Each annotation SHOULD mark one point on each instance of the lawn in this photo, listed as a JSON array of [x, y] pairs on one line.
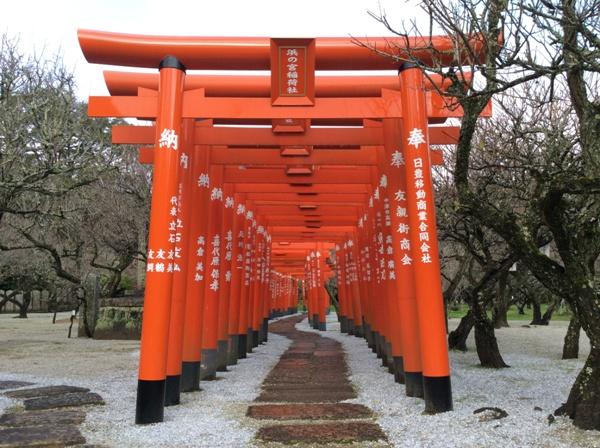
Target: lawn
[[513, 313]]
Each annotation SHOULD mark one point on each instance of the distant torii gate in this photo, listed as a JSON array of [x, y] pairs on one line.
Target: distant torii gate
[[227, 201]]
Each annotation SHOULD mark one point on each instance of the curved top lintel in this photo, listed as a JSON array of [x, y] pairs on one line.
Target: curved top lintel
[[253, 53]]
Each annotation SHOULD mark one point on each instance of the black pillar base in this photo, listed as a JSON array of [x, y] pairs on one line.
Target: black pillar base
[[414, 384], [172, 390], [322, 326], [343, 324], [375, 341], [249, 338], [437, 393], [242, 343], [350, 327], [208, 366], [150, 402], [383, 351], [232, 355], [390, 358], [368, 335], [265, 330], [315, 321], [222, 349], [399, 369], [291, 310], [378, 351], [358, 331], [190, 376], [255, 338]]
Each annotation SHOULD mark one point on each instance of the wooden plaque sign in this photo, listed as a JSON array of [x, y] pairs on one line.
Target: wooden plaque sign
[[293, 72]]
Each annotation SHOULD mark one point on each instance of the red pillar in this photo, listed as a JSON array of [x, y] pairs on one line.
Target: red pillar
[[423, 241], [403, 262], [237, 271], [196, 273], [246, 297], [322, 296], [179, 228], [157, 297], [214, 276], [225, 289]]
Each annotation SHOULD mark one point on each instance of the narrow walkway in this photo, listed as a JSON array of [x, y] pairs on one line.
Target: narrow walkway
[[311, 378]]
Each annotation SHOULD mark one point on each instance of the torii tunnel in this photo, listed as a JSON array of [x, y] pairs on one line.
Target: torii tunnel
[[264, 186]]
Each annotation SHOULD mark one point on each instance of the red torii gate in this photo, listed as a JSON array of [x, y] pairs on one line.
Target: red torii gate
[[394, 228]]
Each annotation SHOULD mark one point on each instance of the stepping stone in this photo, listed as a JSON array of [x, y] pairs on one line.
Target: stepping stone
[[13, 384], [309, 411], [45, 391], [41, 418], [40, 436], [300, 396], [311, 387], [63, 401], [346, 432]]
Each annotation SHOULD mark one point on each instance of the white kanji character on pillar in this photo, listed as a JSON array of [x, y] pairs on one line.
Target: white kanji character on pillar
[[397, 159], [168, 139], [204, 180], [183, 160], [416, 137]]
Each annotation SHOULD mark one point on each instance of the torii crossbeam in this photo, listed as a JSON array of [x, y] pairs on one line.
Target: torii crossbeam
[[261, 182]]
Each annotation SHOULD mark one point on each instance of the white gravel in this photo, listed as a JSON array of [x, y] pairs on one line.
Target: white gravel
[[213, 417], [37, 351], [537, 377]]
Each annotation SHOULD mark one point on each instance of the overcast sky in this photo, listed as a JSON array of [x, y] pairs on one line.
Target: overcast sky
[[51, 25]]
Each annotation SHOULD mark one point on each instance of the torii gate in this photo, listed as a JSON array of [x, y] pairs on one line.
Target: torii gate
[[224, 197]]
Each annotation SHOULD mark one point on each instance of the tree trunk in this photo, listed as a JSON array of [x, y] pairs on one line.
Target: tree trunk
[[583, 404], [549, 312], [537, 314], [485, 339], [521, 308], [457, 339], [501, 304], [571, 343], [24, 306]]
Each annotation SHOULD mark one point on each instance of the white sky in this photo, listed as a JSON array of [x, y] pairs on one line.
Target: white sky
[[51, 25]]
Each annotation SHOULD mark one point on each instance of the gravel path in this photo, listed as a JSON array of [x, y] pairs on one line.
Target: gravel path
[[537, 377], [214, 417], [38, 351]]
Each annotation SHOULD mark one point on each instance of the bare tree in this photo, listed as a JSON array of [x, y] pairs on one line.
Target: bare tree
[[554, 42]]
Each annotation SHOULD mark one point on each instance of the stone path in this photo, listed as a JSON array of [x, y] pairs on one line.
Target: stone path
[[48, 416], [306, 387]]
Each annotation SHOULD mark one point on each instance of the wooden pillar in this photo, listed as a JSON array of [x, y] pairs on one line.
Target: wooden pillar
[[403, 262], [196, 273], [214, 276], [237, 276], [226, 267], [157, 297], [179, 228], [423, 239]]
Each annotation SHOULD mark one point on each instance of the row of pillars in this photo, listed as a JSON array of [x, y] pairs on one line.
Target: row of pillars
[[388, 271], [210, 289]]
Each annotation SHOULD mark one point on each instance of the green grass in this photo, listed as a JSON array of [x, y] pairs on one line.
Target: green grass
[[513, 313]]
